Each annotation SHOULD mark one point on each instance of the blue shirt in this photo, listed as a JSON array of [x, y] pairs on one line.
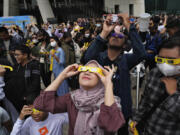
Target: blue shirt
[[152, 43], [124, 62]]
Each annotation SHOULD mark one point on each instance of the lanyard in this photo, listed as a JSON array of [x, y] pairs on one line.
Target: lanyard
[[51, 61]]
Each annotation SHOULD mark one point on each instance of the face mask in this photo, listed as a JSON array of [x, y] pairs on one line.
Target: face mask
[[98, 25], [53, 44], [35, 40], [87, 35], [169, 70]]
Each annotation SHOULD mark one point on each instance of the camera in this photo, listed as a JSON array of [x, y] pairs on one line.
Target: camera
[[114, 19]]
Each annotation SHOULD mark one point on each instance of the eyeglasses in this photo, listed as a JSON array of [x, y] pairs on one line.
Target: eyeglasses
[[35, 111], [91, 69], [117, 35], [168, 61]]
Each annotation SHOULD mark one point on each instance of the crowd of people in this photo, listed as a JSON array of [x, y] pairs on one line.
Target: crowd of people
[[78, 73]]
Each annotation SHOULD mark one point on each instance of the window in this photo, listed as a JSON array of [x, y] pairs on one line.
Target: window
[[131, 9], [116, 7]]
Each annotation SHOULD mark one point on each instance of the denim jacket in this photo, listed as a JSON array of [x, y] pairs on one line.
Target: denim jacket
[[124, 63]]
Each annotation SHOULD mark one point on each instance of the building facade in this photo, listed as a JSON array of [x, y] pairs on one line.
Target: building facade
[[162, 6], [71, 9], [45, 10], [49, 9], [133, 7]]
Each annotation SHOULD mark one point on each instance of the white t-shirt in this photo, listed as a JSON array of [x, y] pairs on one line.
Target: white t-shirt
[[51, 126], [161, 27], [4, 117]]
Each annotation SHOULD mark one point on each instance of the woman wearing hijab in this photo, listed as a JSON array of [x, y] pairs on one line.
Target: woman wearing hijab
[[92, 109]]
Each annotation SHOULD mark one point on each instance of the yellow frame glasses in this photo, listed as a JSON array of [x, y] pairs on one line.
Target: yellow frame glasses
[[168, 61], [9, 67], [91, 69], [35, 111]]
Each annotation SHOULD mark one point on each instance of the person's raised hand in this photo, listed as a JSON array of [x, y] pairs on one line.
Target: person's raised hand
[[2, 71], [70, 70], [126, 21], [25, 112], [52, 52], [108, 73], [107, 27], [133, 127], [166, 17]]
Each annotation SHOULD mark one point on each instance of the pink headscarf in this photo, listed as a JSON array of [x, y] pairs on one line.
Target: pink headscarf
[[88, 103]]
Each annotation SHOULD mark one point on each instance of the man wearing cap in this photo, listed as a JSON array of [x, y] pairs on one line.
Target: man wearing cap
[[114, 55]]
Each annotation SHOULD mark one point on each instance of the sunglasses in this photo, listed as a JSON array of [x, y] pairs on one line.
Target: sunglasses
[[168, 61], [90, 69], [117, 35]]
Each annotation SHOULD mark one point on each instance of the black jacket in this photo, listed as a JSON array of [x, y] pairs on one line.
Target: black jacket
[[23, 84]]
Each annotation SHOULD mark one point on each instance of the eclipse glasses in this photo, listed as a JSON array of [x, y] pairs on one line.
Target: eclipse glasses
[[35, 111], [91, 69], [8, 67], [167, 61]]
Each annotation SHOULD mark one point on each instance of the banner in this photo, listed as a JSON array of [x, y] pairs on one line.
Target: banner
[[21, 21]]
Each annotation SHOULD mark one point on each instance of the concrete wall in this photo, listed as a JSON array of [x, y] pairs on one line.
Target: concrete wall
[[139, 6], [10, 8], [45, 9]]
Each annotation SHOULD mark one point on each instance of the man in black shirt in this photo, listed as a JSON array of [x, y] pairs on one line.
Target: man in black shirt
[[26, 80]]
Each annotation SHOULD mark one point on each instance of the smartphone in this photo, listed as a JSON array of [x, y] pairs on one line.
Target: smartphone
[[115, 19]]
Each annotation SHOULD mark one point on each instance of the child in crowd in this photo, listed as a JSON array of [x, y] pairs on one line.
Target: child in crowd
[[39, 123]]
